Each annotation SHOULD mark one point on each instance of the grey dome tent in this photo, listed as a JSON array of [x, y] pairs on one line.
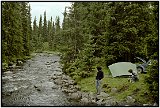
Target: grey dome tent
[[121, 68]]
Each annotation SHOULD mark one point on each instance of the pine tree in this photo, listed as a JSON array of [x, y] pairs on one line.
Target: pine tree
[[57, 37], [39, 38], [29, 28], [35, 35], [53, 36], [45, 32], [12, 32], [25, 28]]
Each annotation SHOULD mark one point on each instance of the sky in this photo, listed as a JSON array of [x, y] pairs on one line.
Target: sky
[[52, 9]]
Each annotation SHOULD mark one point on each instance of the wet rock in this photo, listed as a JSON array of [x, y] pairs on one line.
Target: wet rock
[[71, 82], [68, 91], [130, 99], [100, 102], [54, 87], [8, 93], [54, 77], [76, 96], [92, 97], [48, 63], [35, 86], [6, 77], [77, 87], [38, 89], [58, 81], [84, 100], [55, 61], [102, 95], [65, 77], [85, 95], [110, 102], [65, 85], [8, 72]]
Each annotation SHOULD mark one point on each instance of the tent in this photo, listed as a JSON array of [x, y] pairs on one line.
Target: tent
[[121, 68]]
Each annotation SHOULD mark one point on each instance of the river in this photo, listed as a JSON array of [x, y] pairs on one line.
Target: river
[[31, 84]]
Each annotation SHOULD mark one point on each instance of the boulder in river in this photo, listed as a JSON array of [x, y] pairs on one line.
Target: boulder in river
[[58, 81], [54, 77]]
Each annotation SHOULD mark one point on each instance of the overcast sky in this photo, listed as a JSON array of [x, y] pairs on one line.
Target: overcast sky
[[52, 9]]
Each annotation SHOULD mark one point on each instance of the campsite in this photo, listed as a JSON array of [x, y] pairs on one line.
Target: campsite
[[78, 53]]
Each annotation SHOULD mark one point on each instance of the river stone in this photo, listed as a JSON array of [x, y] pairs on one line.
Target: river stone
[[101, 102], [6, 77], [84, 100], [76, 95], [110, 102], [91, 96], [8, 72], [54, 77], [129, 99], [58, 81], [65, 84], [103, 95], [55, 87], [85, 95], [77, 87]]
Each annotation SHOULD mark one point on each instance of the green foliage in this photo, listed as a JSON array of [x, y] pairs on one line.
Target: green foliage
[[16, 31], [152, 80]]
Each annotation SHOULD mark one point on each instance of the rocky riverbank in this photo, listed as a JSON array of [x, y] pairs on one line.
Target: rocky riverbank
[[74, 92]]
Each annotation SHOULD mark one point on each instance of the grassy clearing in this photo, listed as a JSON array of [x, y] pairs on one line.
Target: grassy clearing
[[124, 88]]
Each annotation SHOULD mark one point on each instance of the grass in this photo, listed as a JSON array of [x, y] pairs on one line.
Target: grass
[[137, 90]]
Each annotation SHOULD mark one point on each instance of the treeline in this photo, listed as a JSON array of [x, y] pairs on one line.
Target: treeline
[[46, 34], [109, 32], [16, 32]]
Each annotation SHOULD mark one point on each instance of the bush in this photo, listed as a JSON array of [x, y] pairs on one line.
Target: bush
[[152, 81]]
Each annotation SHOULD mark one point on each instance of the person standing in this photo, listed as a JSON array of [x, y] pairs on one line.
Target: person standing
[[99, 76]]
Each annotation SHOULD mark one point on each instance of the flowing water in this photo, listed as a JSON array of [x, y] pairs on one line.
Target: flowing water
[[31, 85]]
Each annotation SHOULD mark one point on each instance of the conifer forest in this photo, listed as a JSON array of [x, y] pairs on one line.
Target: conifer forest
[[92, 34]]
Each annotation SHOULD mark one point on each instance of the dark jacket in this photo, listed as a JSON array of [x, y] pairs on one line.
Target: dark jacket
[[99, 75]]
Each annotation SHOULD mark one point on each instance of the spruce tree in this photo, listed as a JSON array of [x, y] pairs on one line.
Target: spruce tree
[[45, 32]]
